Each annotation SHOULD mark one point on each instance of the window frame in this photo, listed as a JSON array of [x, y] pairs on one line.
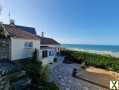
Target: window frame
[[28, 45], [45, 53]]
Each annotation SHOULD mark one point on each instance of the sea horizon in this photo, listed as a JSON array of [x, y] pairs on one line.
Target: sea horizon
[[112, 50], [90, 44]]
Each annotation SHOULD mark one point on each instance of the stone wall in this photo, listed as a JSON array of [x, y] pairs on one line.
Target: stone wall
[[4, 49], [4, 83]]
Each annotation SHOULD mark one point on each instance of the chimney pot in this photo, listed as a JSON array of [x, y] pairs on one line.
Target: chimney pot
[[12, 22], [42, 34]]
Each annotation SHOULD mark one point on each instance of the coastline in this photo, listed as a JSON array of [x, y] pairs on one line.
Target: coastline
[[113, 54]]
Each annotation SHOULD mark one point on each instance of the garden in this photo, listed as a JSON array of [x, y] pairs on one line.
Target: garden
[[38, 74]]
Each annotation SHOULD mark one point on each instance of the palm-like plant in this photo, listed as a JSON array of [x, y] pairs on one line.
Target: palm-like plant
[[33, 68]]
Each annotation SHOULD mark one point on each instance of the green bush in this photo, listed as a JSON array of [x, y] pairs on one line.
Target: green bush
[[34, 69], [48, 86], [38, 74], [44, 73], [91, 59]]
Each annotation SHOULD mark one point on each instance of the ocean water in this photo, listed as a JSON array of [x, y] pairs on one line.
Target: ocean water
[[101, 49]]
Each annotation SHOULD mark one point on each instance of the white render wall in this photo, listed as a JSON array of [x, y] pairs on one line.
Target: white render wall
[[18, 51], [57, 47], [49, 59]]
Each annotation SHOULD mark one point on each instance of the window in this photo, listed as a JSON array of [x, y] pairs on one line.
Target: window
[[50, 53], [28, 44], [44, 54], [53, 53]]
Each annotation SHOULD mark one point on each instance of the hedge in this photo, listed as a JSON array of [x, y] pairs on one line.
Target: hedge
[[91, 59]]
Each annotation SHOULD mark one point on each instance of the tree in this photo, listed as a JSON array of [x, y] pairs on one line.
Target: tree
[[35, 71], [38, 74], [33, 68]]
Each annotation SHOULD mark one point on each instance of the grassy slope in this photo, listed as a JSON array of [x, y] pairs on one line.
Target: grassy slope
[[91, 59]]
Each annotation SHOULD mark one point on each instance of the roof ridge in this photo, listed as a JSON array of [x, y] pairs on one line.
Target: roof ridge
[[48, 41], [25, 26], [19, 30], [21, 26]]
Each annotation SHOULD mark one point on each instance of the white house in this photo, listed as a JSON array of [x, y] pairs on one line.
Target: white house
[[19, 44], [49, 49]]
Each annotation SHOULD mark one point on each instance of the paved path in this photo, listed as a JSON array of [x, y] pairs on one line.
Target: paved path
[[61, 75]]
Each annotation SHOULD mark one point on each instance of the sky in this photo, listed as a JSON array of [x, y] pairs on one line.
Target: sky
[[67, 21]]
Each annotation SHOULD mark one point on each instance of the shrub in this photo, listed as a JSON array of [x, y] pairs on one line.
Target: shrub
[[48, 86], [91, 59], [33, 68], [44, 73], [38, 74], [83, 65]]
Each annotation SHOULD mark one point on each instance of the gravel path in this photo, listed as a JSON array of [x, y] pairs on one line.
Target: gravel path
[[61, 75]]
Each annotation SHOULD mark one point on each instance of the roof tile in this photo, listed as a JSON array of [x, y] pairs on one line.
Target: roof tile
[[19, 33], [48, 41]]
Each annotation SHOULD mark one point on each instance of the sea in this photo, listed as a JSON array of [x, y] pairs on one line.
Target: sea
[[99, 49]]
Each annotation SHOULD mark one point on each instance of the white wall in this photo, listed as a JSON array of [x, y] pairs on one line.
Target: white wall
[[18, 51], [54, 46], [49, 59]]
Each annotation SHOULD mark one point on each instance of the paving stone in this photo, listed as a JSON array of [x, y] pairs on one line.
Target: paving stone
[[59, 76], [67, 88], [63, 84], [62, 75], [69, 81], [85, 88]]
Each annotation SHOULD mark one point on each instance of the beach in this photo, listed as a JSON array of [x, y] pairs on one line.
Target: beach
[[114, 54]]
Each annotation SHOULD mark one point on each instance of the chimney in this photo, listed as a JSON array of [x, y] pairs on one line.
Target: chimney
[[42, 34], [12, 22]]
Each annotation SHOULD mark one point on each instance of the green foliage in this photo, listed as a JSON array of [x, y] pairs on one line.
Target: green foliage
[[33, 68], [13, 78], [1, 31], [34, 58], [38, 74], [44, 73], [90, 59], [48, 86]]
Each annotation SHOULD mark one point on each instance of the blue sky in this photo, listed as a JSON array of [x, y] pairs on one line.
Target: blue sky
[[68, 21]]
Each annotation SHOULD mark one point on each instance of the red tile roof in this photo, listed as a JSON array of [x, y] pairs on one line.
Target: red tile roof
[[16, 32]]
